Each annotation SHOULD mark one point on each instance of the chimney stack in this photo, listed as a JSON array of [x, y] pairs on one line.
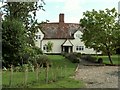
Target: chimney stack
[[61, 17]]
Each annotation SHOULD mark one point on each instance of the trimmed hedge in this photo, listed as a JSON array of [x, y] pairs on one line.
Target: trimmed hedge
[[89, 58], [73, 57]]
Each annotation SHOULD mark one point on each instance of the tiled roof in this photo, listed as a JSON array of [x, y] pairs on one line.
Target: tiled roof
[[59, 30]]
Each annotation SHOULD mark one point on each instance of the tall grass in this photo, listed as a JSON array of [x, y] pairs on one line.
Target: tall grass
[[58, 76]]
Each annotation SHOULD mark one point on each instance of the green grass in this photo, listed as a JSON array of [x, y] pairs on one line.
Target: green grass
[[115, 59], [59, 76]]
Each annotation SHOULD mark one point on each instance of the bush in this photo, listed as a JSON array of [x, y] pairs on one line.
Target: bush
[[42, 60], [100, 60], [79, 55], [22, 68], [89, 58], [72, 57]]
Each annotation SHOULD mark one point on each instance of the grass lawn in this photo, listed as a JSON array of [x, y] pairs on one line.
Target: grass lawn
[[59, 76], [115, 59]]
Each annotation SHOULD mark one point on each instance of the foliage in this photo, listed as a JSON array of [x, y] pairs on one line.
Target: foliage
[[100, 60], [42, 60], [23, 67], [31, 53], [102, 22], [115, 59], [19, 27], [89, 58], [61, 81], [49, 46], [72, 57], [13, 40]]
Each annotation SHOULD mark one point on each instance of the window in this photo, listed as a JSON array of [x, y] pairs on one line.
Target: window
[[44, 47], [79, 48], [78, 35], [38, 36]]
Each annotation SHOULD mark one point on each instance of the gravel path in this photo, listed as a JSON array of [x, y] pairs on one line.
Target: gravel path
[[98, 76]]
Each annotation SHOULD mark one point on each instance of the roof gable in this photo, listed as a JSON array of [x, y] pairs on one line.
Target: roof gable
[[60, 30], [67, 43]]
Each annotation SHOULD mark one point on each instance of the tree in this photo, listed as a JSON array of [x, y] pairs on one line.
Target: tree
[[19, 27], [49, 46], [25, 12], [13, 41], [101, 30]]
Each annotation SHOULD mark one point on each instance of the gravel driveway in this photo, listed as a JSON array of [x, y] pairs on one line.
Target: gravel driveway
[[98, 76]]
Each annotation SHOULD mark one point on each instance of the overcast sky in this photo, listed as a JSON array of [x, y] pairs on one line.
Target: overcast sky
[[73, 9]]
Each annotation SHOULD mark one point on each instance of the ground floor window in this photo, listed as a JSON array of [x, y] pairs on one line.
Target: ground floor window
[[45, 47], [79, 48]]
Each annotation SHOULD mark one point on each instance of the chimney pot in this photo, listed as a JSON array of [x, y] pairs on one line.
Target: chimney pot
[[61, 17]]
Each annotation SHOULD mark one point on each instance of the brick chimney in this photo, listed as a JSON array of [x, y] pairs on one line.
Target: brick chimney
[[61, 17]]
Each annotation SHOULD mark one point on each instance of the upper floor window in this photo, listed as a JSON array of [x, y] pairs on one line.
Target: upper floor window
[[79, 48], [38, 36], [78, 35]]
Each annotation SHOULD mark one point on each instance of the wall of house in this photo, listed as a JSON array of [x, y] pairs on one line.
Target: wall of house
[[58, 42], [56, 45], [38, 41], [78, 43]]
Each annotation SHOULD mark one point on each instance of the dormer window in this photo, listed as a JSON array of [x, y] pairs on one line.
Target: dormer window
[[78, 35], [38, 36]]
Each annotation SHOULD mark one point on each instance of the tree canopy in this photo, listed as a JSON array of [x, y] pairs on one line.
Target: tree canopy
[[18, 29], [101, 30]]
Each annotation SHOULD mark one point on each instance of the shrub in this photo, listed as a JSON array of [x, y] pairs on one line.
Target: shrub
[[79, 55], [72, 57], [42, 60], [100, 60], [63, 54], [89, 58]]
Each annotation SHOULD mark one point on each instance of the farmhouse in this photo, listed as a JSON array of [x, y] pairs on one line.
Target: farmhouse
[[65, 37]]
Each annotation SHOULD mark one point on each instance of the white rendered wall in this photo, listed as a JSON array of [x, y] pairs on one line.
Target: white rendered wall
[[58, 42], [56, 45]]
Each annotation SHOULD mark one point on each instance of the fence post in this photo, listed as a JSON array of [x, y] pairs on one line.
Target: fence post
[[37, 72], [26, 75], [47, 67], [61, 72], [11, 75]]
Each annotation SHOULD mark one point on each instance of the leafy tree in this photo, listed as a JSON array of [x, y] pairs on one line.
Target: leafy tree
[[101, 30], [49, 46], [13, 41], [25, 12], [19, 27]]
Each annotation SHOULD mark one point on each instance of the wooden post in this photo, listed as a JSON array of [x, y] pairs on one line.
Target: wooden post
[[61, 72], [26, 76], [47, 73], [11, 75], [37, 72], [65, 70]]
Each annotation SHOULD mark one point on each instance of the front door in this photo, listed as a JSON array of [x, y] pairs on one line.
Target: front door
[[66, 48]]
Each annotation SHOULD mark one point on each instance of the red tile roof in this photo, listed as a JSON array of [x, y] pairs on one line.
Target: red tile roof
[[59, 30]]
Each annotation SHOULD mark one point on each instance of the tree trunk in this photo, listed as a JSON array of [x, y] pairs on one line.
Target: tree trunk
[[109, 56]]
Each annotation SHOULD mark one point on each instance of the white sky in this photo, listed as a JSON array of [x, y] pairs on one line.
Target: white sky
[[73, 9]]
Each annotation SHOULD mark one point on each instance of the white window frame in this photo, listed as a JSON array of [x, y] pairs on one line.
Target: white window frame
[[78, 35], [45, 47], [79, 48], [38, 37]]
